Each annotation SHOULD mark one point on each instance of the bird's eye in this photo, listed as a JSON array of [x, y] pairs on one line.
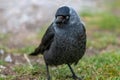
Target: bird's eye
[[67, 17]]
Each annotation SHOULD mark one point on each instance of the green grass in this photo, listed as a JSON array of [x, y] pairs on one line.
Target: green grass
[[86, 13], [2, 62], [101, 40], [3, 40], [113, 4], [27, 49], [109, 21], [106, 20], [103, 66], [3, 36]]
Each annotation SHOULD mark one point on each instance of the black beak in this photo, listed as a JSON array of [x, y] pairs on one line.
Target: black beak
[[59, 19]]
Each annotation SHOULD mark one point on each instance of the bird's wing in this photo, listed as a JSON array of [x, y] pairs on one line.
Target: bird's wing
[[46, 41]]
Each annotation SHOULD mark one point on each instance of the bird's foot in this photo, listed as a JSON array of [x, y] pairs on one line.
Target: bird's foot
[[76, 77]]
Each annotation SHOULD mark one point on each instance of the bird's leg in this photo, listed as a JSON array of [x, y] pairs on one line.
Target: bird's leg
[[48, 74], [73, 73]]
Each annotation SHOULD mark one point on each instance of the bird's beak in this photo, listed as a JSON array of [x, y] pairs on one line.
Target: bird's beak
[[59, 19]]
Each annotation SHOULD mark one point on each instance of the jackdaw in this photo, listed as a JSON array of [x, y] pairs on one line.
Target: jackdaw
[[64, 41]]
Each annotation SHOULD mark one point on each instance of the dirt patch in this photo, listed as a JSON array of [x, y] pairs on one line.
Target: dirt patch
[[7, 69]]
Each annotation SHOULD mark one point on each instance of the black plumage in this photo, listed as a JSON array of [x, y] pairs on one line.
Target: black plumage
[[64, 41]]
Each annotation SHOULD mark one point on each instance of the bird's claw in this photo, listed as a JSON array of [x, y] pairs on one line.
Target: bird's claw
[[76, 77], [48, 78]]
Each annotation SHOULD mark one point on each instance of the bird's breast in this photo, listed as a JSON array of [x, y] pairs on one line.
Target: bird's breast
[[66, 43]]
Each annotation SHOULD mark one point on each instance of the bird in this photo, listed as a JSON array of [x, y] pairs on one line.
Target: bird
[[64, 42]]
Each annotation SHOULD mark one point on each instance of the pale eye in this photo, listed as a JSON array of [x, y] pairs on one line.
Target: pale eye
[[67, 17]]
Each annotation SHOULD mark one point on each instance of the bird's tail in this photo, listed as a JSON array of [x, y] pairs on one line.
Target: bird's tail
[[36, 52]]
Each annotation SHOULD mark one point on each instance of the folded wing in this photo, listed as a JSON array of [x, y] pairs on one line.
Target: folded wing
[[46, 41]]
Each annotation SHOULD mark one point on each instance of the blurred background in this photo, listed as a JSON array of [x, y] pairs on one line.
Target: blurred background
[[23, 23]]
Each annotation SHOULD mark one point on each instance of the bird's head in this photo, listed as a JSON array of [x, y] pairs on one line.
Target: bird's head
[[66, 15], [62, 15]]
